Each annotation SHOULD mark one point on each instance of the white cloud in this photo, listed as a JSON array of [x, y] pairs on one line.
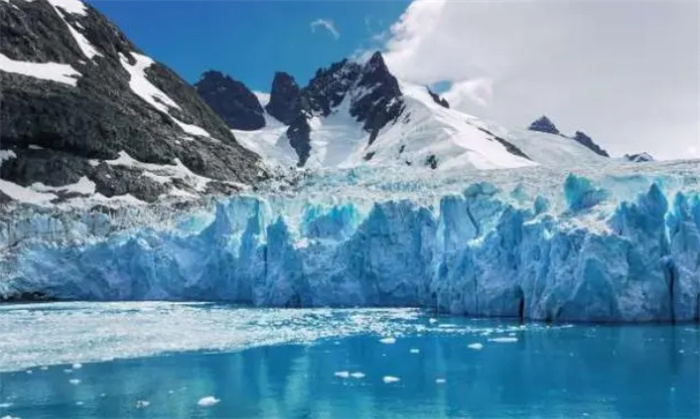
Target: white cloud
[[326, 24], [626, 73]]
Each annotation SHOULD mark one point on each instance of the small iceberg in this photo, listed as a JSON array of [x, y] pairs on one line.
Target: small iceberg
[[208, 401], [504, 339], [390, 379]]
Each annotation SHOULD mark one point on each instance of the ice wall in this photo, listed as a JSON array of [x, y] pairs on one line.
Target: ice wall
[[485, 251]]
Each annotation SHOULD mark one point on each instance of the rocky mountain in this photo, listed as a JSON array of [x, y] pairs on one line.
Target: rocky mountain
[[232, 100], [86, 114], [588, 142], [639, 157], [544, 124], [357, 113], [373, 93]]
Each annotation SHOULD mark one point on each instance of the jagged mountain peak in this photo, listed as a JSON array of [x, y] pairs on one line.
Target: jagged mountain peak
[[544, 124], [235, 103], [438, 99], [284, 98], [588, 142]]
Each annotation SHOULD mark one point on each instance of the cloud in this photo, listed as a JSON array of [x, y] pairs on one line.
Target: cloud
[[326, 24], [626, 73]]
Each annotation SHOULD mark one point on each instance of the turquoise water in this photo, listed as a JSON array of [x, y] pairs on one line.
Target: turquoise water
[[365, 363]]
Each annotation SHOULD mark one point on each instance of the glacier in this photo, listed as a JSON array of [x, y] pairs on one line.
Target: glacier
[[607, 243]]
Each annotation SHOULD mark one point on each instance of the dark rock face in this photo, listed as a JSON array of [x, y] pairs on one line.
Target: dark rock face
[[383, 101], [328, 87], [588, 142], [439, 100], [101, 115], [374, 95], [639, 157], [543, 124], [231, 100], [284, 98]]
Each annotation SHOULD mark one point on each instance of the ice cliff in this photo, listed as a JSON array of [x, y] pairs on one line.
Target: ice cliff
[[613, 243]]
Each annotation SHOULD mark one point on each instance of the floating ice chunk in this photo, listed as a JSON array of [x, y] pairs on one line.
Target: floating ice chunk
[[103, 394], [388, 341], [506, 339], [476, 346], [10, 417], [208, 401], [357, 375], [440, 381], [415, 351], [79, 403], [68, 371], [342, 374], [390, 379], [5, 405], [29, 372], [432, 321], [511, 334], [44, 368], [77, 366], [142, 403], [74, 381]]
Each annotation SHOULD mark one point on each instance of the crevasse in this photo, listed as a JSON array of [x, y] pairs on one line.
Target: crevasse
[[481, 252]]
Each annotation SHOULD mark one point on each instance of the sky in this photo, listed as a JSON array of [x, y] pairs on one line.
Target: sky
[[625, 72]]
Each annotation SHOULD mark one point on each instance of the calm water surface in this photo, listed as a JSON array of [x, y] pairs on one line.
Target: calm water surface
[[337, 364]]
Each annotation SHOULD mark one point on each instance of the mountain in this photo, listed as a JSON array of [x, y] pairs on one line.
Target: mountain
[[588, 142], [232, 100], [359, 114], [639, 157], [85, 114], [543, 124]]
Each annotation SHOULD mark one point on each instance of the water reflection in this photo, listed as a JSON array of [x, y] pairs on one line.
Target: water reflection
[[581, 371]]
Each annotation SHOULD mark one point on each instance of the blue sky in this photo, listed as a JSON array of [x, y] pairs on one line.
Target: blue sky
[[250, 40]]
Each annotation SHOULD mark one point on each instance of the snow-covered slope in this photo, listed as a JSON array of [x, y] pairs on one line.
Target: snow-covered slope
[[425, 134]]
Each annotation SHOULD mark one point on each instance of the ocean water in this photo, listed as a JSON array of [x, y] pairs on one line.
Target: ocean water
[[170, 360]]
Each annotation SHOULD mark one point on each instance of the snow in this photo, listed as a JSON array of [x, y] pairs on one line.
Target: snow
[[263, 97], [164, 173], [208, 401], [25, 195], [61, 73], [75, 7], [424, 132], [6, 155], [83, 186], [155, 97]]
